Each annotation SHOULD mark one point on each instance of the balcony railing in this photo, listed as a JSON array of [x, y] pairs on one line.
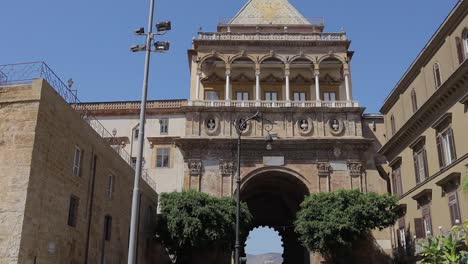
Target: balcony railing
[[273, 104], [22, 73], [160, 104], [318, 36]]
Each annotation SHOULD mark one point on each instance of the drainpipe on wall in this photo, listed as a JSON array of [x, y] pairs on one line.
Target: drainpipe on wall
[[90, 208]]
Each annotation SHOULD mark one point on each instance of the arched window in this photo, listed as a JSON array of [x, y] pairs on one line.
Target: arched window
[[414, 101], [437, 78], [392, 124]]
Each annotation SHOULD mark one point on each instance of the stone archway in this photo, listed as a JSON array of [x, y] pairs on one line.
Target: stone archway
[[273, 196]]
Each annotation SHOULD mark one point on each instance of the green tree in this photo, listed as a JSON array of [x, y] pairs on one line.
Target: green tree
[[329, 223], [194, 221]]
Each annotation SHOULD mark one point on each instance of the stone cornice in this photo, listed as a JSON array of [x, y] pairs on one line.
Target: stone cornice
[[439, 103], [270, 43], [451, 22]]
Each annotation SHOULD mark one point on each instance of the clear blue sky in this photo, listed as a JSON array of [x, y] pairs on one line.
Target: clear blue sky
[[89, 40]]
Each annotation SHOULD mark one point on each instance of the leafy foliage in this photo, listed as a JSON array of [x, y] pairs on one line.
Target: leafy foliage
[[194, 220], [329, 223], [446, 249]]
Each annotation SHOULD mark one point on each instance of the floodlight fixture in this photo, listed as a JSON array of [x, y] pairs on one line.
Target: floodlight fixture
[[162, 45], [136, 48], [163, 26], [139, 31]]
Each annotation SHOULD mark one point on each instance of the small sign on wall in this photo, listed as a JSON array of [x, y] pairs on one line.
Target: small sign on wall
[[339, 165], [273, 160]]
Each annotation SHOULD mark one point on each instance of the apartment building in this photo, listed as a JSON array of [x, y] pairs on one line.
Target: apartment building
[[426, 119]]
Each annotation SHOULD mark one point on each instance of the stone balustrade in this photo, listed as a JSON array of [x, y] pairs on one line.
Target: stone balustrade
[[316, 36], [272, 104]]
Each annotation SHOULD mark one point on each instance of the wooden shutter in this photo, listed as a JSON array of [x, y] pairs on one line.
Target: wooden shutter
[[416, 168], [454, 208], [460, 53], [440, 151], [426, 167], [451, 144], [419, 228]]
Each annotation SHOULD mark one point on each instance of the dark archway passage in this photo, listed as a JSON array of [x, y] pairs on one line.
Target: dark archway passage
[[273, 198]]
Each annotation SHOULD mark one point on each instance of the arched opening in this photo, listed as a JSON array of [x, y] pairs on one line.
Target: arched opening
[[213, 79], [274, 197], [272, 79], [243, 79], [332, 85], [302, 80], [264, 245]]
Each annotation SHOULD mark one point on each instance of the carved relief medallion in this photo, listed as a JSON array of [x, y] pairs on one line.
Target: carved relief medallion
[[304, 126]]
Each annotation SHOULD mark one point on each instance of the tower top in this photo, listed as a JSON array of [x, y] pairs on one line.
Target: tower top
[[269, 12]]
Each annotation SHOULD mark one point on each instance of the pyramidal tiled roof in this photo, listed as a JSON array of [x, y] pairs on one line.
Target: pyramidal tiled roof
[[269, 12]]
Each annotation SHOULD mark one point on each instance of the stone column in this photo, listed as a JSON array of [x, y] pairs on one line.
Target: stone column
[[348, 94], [346, 76], [197, 85], [286, 75], [257, 83], [228, 84], [317, 85]]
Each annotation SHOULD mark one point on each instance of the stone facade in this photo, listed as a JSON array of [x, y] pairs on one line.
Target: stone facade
[[39, 134], [426, 126], [296, 76]]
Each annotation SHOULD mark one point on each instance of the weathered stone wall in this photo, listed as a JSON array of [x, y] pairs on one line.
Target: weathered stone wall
[[18, 115], [43, 195]]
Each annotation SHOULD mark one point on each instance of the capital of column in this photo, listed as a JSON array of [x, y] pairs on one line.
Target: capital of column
[[346, 72], [287, 72], [257, 69], [316, 72]]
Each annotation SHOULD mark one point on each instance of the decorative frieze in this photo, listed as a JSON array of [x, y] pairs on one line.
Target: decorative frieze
[[195, 166], [226, 167]]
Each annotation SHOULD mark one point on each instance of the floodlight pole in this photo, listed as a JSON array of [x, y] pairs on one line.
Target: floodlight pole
[[132, 250]]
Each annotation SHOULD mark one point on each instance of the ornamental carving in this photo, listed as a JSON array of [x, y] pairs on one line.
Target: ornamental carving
[[323, 168], [272, 79], [335, 126], [355, 169], [226, 167], [304, 126], [195, 166]]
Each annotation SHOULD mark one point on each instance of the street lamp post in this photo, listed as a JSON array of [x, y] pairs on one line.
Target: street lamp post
[[241, 126], [159, 46]]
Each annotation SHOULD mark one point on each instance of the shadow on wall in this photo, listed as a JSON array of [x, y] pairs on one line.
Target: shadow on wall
[[365, 251]]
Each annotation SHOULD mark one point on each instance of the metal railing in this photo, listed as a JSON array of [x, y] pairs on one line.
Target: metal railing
[[22, 73], [273, 104], [315, 21], [316, 36]]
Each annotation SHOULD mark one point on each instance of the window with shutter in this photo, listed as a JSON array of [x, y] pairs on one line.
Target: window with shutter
[[73, 211], [427, 220], [460, 52], [454, 208], [437, 77], [77, 161], [397, 184], [419, 228], [446, 147], [414, 101], [416, 168]]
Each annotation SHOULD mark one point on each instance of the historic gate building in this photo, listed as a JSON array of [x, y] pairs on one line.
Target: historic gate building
[[268, 58]]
